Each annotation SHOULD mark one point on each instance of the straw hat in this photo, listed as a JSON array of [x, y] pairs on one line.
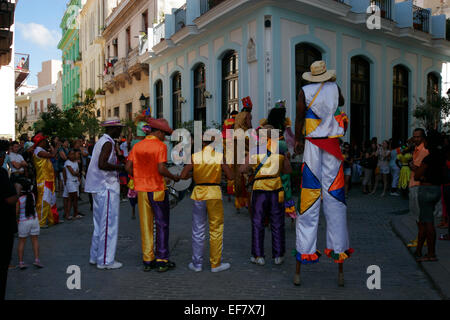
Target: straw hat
[[112, 122], [319, 73]]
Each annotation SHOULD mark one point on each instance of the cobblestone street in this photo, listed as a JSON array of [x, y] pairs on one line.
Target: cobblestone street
[[371, 236]]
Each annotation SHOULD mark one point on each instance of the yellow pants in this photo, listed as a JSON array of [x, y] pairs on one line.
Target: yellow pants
[[214, 209], [44, 208], [146, 217]]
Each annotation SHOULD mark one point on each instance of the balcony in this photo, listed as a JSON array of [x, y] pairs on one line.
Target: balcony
[[21, 68], [385, 8], [159, 33], [421, 19], [6, 14]]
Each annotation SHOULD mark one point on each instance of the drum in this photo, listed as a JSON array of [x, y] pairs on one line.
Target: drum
[[181, 185]]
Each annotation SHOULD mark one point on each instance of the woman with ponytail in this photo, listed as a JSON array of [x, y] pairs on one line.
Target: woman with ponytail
[[28, 223]]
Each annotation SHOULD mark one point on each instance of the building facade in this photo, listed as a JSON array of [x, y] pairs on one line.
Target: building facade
[[207, 55], [32, 101], [7, 72], [126, 47], [92, 20], [71, 55]]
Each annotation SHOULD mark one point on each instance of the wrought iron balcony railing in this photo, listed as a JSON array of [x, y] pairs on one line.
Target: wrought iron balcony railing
[[159, 33], [22, 62], [421, 19], [385, 8]]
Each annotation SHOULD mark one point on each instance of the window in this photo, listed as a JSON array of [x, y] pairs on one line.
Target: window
[[159, 99], [99, 113], [129, 107], [360, 101], [49, 102], [199, 98], [109, 113], [176, 104], [117, 112], [145, 21], [432, 87], [230, 83], [42, 106], [400, 103], [305, 55], [115, 48], [128, 31], [35, 107]]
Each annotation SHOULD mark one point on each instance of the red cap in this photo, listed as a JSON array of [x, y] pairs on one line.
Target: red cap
[[160, 124]]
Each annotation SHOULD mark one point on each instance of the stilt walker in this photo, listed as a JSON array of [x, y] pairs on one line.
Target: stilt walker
[[207, 166], [146, 163], [102, 180], [322, 172]]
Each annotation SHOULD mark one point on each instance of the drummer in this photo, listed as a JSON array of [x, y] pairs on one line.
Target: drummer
[[207, 166], [146, 163]]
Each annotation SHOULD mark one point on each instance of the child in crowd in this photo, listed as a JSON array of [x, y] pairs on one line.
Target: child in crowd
[[71, 175], [403, 160], [132, 196], [28, 223]]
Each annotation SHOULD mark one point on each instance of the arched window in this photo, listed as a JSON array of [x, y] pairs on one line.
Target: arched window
[[305, 55], [159, 99], [360, 101], [400, 104], [199, 98], [176, 104], [230, 83], [432, 87]]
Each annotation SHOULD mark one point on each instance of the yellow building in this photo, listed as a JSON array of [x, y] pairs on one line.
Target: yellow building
[[92, 17], [126, 76]]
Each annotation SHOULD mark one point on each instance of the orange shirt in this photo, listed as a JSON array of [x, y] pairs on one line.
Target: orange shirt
[[145, 156], [419, 154]]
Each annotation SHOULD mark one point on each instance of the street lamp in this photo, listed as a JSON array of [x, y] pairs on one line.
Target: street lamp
[[142, 101]]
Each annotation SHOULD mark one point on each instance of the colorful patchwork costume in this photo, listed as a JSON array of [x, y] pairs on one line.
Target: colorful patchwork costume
[[323, 176]]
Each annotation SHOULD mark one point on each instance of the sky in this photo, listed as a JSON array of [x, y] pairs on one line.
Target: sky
[[38, 32]]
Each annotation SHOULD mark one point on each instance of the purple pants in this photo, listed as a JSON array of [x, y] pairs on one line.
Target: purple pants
[[161, 210], [266, 203]]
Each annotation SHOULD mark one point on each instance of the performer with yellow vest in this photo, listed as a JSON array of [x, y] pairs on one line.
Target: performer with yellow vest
[[322, 172], [146, 163], [45, 180], [207, 166], [267, 196]]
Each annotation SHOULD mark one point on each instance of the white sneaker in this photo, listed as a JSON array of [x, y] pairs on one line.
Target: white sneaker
[[260, 261], [222, 267], [279, 260], [92, 262], [395, 194], [194, 268], [115, 265]]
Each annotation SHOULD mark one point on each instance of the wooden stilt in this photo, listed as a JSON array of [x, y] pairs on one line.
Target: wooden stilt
[[341, 275], [297, 274]]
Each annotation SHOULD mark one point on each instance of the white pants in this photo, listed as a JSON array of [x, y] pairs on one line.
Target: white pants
[[322, 175], [395, 172], [106, 227]]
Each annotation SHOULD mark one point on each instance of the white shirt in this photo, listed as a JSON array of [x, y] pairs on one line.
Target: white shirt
[[74, 166], [14, 157], [37, 150], [124, 148]]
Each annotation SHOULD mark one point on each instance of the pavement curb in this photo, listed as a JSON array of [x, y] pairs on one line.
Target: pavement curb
[[435, 272]]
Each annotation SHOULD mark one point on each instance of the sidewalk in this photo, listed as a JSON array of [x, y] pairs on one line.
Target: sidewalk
[[438, 272]]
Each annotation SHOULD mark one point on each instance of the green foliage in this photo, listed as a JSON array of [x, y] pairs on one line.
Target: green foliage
[[432, 113], [20, 125]]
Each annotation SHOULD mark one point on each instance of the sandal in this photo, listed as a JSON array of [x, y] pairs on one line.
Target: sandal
[[427, 259], [68, 218], [78, 217]]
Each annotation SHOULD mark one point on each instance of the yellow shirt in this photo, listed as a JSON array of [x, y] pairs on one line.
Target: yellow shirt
[[44, 168], [207, 167], [271, 168]]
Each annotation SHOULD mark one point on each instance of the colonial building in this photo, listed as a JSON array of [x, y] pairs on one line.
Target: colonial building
[[207, 55], [92, 21], [71, 55], [126, 41], [32, 101], [7, 79]]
